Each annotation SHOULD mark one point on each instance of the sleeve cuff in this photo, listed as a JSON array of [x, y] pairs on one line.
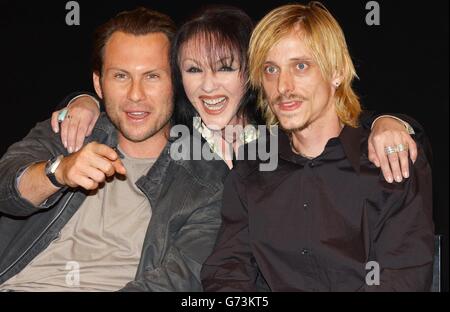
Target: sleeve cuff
[[84, 94], [48, 202], [405, 124]]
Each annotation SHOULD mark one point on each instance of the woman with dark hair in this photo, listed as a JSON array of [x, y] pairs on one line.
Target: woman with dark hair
[[209, 70], [210, 77], [224, 33]]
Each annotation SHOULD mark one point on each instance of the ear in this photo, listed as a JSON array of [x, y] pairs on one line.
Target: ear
[[97, 85], [337, 80]]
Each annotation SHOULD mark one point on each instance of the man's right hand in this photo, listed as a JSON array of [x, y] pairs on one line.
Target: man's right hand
[[89, 167]]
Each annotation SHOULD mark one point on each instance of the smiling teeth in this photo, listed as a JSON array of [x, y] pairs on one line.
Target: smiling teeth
[[137, 113], [214, 101]]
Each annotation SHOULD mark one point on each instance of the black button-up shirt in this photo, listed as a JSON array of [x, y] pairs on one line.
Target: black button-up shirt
[[313, 225]]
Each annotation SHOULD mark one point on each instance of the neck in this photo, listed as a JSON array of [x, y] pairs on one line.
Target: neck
[[310, 141], [231, 136], [150, 148], [228, 141]]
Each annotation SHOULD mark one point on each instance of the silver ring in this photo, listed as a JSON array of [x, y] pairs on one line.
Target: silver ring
[[62, 115], [401, 147], [390, 150]]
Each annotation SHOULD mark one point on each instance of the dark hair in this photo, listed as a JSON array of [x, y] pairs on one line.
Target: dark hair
[[140, 21], [225, 31]]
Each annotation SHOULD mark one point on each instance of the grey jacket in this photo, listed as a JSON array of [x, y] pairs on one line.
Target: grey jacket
[[185, 196]]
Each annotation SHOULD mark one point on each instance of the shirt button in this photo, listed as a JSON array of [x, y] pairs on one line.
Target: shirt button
[[305, 205], [305, 252], [311, 164]]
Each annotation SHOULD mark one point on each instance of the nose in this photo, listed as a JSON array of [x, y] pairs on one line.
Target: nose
[[136, 92], [209, 83], [285, 83]]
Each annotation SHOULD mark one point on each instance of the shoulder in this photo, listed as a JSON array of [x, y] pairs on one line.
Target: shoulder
[[104, 124], [205, 172], [39, 139], [263, 157]]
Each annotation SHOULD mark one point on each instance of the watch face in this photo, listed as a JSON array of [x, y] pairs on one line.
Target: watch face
[[50, 169], [48, 165], [51, 166]]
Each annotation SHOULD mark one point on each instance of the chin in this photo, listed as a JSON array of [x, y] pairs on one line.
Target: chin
[[291, 125], [136, 138], [137, 135], [215, 124]]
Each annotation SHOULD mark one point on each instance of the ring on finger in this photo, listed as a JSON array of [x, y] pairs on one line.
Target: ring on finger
[[62, 115], [402, 147], [390, 150]]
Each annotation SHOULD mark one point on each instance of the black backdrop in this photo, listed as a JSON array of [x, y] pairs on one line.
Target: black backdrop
[[402, 64]]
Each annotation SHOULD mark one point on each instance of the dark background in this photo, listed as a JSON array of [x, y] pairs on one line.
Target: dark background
[[402, 64]]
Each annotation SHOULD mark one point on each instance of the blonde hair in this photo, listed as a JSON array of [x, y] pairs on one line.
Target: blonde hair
[[324, 38]]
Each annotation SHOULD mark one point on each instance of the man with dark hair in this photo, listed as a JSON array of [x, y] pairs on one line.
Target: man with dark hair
[[119, 213]]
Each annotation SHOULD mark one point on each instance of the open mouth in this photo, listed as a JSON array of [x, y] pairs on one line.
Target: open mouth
[[214, 105], [289, 106], [137, 116]]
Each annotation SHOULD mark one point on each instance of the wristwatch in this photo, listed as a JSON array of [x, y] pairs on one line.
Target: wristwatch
[[50, 169]]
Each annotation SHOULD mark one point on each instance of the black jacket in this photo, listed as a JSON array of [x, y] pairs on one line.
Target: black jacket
[[185, 196]]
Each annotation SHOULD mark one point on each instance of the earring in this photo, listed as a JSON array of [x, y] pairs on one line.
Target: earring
[[337, 84]]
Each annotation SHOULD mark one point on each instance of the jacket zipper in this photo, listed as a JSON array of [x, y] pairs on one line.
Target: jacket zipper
[[38, 238]]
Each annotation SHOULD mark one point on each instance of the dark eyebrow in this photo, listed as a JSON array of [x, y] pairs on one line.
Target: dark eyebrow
[[126, 72], [150, 71], [118, 69]]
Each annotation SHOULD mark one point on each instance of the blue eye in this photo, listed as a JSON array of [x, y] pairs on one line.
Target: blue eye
[[302, 66], [271, 70]]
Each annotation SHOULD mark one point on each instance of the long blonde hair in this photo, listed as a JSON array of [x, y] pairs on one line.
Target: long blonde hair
[[325, 39]]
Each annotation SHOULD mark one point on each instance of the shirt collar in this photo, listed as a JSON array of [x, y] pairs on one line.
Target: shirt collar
[[249, 134], [350, 138], [284, 146]]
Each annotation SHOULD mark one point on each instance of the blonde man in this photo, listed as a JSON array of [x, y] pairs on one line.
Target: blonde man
[[324, 220]]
